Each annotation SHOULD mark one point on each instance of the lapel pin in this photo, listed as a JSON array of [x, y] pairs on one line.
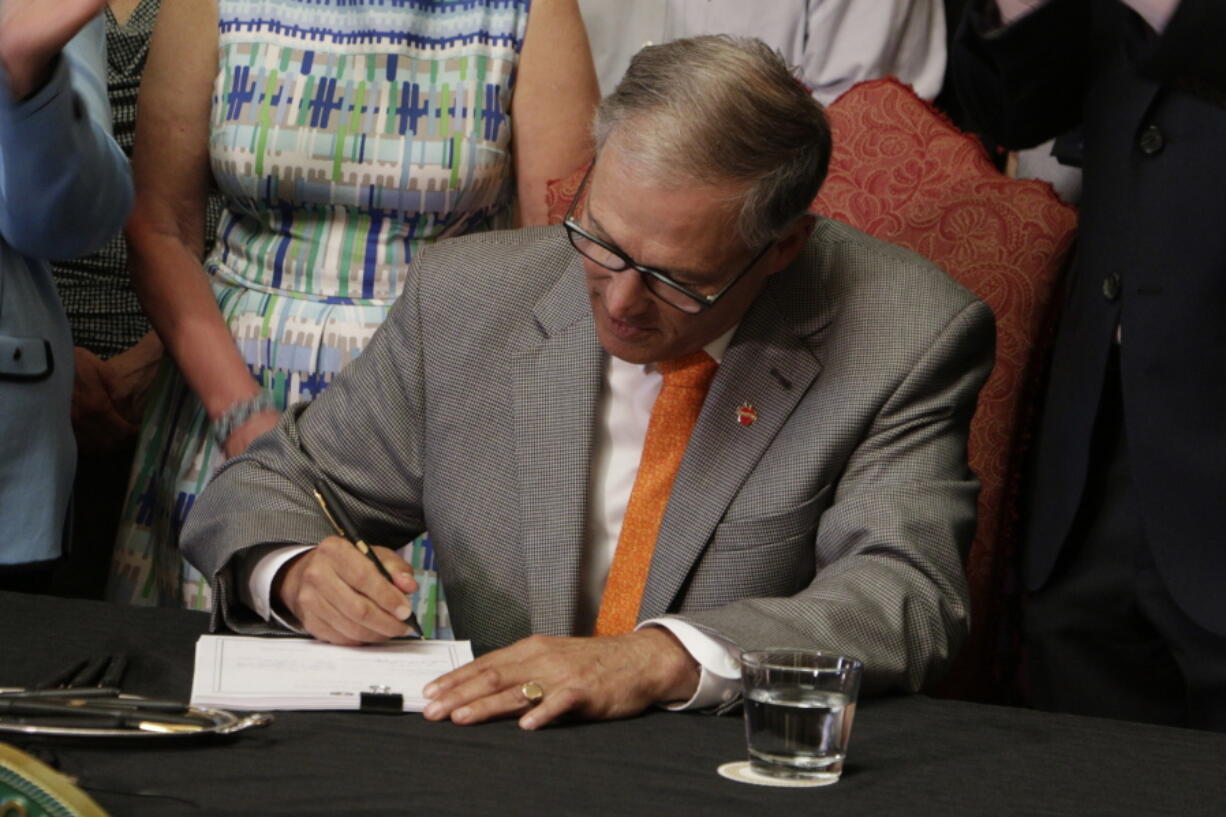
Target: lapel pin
[[746, 414]]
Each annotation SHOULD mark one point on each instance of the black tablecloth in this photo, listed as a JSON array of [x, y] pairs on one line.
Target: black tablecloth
[[908, 755]]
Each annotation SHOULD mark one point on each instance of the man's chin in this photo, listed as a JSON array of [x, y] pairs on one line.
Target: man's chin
[[630, 354], [638, 350]]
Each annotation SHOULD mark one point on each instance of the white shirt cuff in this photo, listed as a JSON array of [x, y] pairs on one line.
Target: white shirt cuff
[[255, 588], [719, 679]]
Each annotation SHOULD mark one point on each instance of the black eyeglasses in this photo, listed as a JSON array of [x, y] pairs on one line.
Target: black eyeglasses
[[657, 282]]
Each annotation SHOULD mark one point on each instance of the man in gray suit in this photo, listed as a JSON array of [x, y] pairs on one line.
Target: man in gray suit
[[823, 500]]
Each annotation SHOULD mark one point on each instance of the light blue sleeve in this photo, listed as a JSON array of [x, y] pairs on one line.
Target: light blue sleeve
[[65, 186]]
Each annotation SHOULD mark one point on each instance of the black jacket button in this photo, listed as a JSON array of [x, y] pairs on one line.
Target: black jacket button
[[1151, 140], [1111, 287]]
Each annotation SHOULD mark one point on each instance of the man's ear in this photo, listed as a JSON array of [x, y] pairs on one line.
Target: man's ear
[[789, 245]]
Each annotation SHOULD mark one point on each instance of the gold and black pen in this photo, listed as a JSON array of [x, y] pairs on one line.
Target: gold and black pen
[[344, 527]]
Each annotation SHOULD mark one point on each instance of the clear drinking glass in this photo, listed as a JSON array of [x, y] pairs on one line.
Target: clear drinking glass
[[799, 705]]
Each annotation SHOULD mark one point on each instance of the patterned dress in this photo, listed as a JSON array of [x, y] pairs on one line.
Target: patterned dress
[[345, 135]]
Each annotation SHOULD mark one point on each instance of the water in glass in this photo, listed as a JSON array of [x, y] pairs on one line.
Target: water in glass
[[794, 730]]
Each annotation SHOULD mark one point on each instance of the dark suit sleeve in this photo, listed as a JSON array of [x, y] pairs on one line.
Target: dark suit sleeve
[[1190, 48], [1027, 82], [891, 589], [1022, 84]]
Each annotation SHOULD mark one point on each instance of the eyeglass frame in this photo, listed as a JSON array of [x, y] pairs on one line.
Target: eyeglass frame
[[704, 301]]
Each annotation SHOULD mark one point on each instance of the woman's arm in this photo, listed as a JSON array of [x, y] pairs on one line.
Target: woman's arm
[[171, 168], [552, 104]]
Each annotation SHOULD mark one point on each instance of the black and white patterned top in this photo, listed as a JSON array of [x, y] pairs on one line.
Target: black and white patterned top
[[96, 289]]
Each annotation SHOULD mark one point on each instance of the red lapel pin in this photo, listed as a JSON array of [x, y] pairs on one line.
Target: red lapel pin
[[746, 414]]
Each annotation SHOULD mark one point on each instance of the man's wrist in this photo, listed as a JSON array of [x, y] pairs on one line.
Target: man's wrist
[[676, 672], [718, 659], [278, 591], [259, 573]]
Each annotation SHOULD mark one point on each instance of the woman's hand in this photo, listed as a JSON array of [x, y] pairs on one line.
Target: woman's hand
[[243, 435]]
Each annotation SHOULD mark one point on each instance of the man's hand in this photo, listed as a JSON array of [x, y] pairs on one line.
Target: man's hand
[[599, 678], [339, 596], [99, 424], [32, 32]]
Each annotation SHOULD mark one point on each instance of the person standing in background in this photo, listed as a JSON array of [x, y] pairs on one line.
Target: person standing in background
[[116, 352], [1124, 557], [65, 189], [345, 136], [834, 43]]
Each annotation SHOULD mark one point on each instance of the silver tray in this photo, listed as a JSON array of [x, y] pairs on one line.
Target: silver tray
[[213, 722]]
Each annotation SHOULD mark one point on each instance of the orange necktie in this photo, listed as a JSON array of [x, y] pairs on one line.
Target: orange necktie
[[672, 420]]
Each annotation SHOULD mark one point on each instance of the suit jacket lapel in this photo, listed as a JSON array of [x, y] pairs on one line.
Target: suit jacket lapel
[[557, 383], [769, 364]]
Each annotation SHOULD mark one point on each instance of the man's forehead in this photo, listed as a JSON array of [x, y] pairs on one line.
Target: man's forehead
[[623, 165], [633, 209]]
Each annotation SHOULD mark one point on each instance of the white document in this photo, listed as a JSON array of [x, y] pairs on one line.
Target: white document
[[245, 672]]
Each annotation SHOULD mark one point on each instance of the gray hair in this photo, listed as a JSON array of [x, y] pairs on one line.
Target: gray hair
[[721, 110]]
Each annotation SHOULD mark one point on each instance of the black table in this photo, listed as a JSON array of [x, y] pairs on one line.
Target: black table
[[908, 755]]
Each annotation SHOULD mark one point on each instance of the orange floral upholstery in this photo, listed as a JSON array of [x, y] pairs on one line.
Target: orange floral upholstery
[[559, 193], [901, 172]]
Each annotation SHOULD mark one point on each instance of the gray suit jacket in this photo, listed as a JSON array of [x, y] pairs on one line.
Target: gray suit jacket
[[838, 520]]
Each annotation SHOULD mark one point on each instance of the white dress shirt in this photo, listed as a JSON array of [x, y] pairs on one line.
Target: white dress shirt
[[624, 413], [834, 43], [624, 410]]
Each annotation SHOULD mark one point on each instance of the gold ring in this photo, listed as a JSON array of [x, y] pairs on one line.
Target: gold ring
[[533, 692]]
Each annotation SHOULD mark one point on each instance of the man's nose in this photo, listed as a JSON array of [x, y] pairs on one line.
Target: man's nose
[[625, 295]]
